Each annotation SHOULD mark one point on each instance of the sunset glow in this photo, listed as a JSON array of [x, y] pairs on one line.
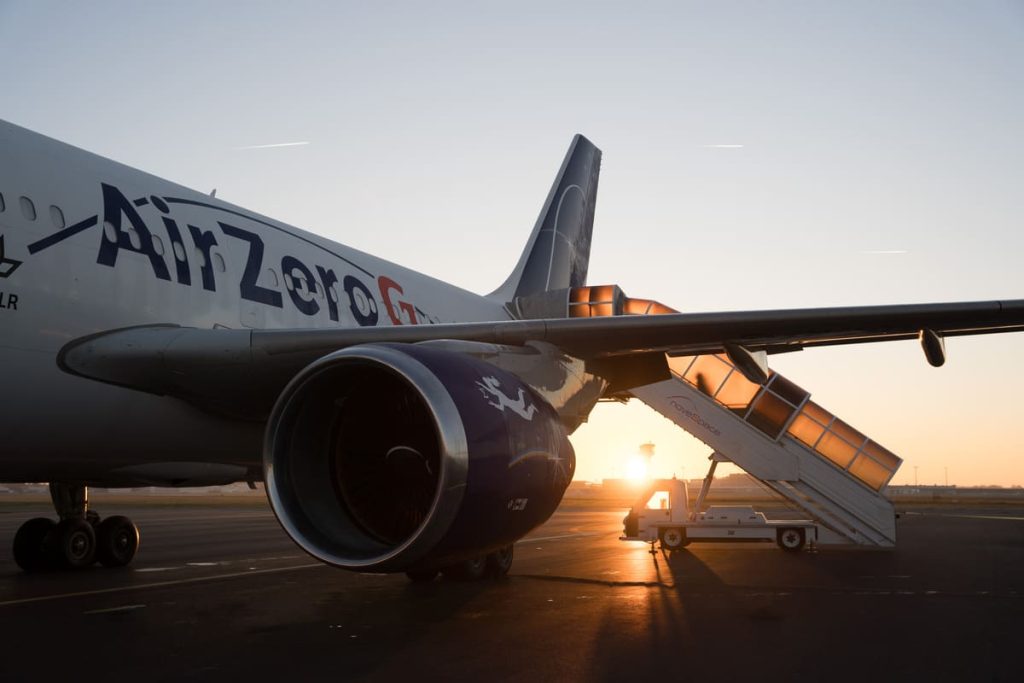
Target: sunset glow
[[636, 469]]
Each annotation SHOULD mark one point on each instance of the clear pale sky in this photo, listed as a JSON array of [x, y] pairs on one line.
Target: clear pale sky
[[435, 129]]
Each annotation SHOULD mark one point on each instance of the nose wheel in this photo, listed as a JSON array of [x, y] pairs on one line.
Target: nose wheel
[[78, 540]]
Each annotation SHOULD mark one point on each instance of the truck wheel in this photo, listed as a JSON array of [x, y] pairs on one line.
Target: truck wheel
[[674, 538], [791, 540]]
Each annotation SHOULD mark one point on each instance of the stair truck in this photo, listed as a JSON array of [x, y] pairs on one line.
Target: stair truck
[[662, 514]]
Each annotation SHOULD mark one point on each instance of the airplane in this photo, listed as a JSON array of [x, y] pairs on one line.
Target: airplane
[[153, 335]]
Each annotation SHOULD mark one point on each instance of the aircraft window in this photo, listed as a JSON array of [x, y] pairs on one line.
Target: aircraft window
[[358, 297], [334, 294], [200, 257], [272, 277], [218, 263], [28, 209], [288, 282], [133, 237], [158, 245], [3, 207], [179, 251], [57, 216], [109, 231], [319, 291]]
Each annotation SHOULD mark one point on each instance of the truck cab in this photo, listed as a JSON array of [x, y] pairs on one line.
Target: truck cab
[[662, 514]]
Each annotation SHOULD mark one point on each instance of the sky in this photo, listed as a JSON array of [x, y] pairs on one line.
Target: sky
[[756, 155]]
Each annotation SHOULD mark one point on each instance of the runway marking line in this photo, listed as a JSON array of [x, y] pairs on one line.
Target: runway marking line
[[158, 584], [532, 539], [197, 579], [148, 570], [940, 514], [112, 610]]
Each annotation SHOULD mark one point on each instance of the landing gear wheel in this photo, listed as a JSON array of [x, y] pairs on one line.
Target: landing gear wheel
[[71, 544], [791, 540], [674, 538], [422, 576], [499, 562], [468, 570], [29, 543], [117, 539]]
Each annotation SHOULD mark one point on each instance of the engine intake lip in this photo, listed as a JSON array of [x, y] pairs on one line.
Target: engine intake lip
[[286, 501]]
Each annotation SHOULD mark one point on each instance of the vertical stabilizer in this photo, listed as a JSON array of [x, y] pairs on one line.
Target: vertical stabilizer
[[558, 251]]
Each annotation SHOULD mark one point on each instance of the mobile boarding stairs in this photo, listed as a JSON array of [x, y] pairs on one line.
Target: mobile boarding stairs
[[774, 432]]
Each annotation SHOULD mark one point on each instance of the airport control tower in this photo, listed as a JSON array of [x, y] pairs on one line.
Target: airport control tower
[[646, 452]]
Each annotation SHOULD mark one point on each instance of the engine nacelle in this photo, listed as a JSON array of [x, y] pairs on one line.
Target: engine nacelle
[[389, 457]]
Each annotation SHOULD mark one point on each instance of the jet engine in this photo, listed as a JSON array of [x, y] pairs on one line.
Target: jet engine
[[393, 457]]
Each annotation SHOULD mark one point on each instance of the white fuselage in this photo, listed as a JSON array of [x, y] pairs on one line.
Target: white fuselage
[[146, 251]]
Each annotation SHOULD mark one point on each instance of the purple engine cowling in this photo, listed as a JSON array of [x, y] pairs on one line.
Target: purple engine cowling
[[388, 457]]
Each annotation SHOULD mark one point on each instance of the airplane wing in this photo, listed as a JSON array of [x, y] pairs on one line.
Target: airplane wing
[[218, 366]]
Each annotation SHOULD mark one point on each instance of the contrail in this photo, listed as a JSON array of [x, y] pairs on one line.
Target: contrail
[[276, 144]]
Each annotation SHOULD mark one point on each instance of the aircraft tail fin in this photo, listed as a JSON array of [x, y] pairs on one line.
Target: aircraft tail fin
[[558, 251]]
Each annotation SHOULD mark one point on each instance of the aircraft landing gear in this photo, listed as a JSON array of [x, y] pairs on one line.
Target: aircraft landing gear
[[493, 565], [78, 540], [117, 539]]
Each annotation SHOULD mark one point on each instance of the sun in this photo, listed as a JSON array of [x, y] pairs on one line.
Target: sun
[[636, 469]]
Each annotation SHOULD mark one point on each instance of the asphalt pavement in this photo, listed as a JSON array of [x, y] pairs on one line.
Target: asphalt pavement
[[220, 593]]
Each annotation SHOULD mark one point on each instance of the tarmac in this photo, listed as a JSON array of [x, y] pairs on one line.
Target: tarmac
[[220, 593]]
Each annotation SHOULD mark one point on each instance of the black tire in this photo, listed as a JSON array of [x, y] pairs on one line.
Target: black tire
[[422, 575], [500, 561], [674, 538], [790, 539], [29, 544], [71, 544], [117, 540], [472, 569]]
